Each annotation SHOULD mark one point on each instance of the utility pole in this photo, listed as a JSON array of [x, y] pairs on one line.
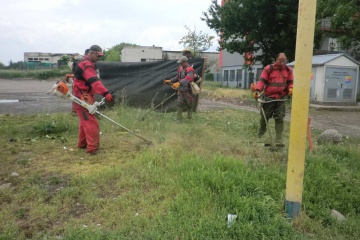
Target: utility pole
[[300, 107]]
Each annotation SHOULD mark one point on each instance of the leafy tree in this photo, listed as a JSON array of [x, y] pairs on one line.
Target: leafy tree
[[270, 24], [114, 53], [196, 42], [14, 65], [65, 58], [344, 16], [2, 66]]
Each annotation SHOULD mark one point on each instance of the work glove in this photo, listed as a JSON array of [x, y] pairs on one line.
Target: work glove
[[253, 87], [290, 92], [175, 85], [167, 81], [256, 95], [109, 97]]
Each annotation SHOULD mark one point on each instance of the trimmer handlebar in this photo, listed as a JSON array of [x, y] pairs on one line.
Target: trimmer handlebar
[[60, 89]]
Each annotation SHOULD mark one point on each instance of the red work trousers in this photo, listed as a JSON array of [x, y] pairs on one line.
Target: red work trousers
[[89, 131]]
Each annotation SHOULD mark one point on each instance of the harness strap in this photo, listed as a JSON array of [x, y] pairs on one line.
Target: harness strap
[[79, 90], [79, 76], [92, 80], [283, 84]]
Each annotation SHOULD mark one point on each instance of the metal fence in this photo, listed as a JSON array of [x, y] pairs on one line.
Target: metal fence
[[36, 65]]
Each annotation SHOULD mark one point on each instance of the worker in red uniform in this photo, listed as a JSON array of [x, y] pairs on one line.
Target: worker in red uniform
[[181, 82], [86, 84], [276, 82]]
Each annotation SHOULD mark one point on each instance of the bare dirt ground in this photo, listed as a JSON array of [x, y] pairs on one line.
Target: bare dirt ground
[[346, 122], [28, 96]]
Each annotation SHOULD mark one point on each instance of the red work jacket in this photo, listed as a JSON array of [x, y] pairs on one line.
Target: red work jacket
[[275, 82], [86, 80]]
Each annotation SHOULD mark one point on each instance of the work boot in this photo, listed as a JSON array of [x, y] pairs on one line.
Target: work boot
[[93, 153], [179, 111], [279, 129], [189, 113], [262, 129]]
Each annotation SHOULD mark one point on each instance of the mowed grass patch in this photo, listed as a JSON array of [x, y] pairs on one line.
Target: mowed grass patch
[[182, 186]]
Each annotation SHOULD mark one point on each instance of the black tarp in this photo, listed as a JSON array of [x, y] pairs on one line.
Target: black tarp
[[140, 84]]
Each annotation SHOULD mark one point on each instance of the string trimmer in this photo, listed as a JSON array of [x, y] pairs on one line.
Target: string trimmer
[[60, 89], [161, 103]]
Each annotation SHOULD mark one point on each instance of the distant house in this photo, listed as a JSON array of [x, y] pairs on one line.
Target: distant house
[[141, 54], [152, 53], [39, 60], [233, 73], [44, 57]]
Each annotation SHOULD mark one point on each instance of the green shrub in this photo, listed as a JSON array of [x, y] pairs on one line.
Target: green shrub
[[209, 76], [39, 74], [48, 74], [51, 126]]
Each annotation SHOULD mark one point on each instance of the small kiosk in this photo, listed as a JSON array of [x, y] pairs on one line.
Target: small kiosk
[[334, 79]]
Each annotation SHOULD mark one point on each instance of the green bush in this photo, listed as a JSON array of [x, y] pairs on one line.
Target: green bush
[[52, 125], [38, 74], [209, 76], [48, 74]]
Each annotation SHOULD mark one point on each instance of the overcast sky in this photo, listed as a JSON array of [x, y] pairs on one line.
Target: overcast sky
[[71, 26]]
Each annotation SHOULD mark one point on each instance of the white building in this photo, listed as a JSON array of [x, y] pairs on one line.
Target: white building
[[334, 79], [146, 54], [44, 57], [141, 54], [233, 73]]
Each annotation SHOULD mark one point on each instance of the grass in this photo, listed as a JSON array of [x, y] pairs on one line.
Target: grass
[[180, 187], [216, 91]]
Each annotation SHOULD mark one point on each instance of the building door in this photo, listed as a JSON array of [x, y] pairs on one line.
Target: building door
[[225, 79], [232, 80], [239, 78], [340, 84], [248, 79]]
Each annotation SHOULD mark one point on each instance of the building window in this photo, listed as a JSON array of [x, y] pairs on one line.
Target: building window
[[30, 59], [217, 77], [239, 77], [41, 58], [226, 75], [143, 60], [251, 77], [258, 74], [36, 59], [46, 59], [232, 75]]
